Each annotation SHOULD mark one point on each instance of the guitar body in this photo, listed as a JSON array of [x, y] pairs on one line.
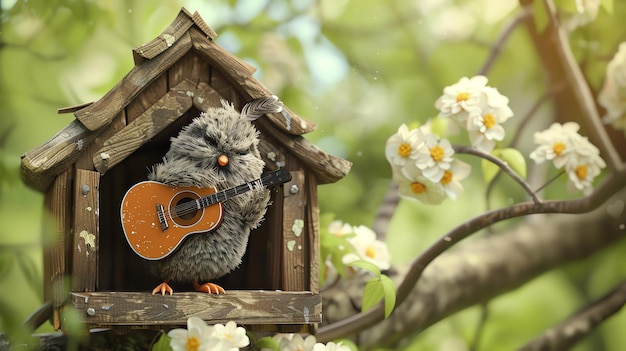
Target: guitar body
[[157, 217]]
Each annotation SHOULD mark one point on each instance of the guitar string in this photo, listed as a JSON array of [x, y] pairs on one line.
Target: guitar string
[[191, 206]]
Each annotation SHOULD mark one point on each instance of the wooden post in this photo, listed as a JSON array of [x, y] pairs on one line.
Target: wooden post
[[295, 266], [85, 226], [56, 234]]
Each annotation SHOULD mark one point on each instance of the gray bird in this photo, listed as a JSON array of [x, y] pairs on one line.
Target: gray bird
[[217, 149]]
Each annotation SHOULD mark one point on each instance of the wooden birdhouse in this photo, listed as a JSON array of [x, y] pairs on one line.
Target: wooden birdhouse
[[86, 168]]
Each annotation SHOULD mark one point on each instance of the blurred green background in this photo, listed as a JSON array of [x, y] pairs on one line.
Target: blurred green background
[[356, 68]]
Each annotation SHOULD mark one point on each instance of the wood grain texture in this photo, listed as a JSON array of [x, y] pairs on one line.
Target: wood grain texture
[[313, 225], [85, 230], [41, 165], [85, 159], [327, 168], [148, 97], [241, 306], [158, 116], [240, 74], [101, 112], [205, 97], [56, 232], [165, 40], [294, 229]]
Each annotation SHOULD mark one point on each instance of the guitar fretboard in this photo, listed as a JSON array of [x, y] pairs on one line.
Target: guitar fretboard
[[229, 193]]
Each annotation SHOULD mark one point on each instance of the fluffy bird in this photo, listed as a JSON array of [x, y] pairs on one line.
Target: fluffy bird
[[217, 149]]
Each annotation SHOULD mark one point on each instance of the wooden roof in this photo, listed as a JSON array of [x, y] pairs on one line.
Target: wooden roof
[[188, 32]]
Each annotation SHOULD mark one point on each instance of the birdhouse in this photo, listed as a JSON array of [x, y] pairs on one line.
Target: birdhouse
[[87, 167]]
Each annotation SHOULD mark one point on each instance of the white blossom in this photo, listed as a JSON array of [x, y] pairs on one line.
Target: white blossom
[[613, 94], [556, 143], [229, 337], [484, 126], [295, 342], [368, 248], [459, 98], [413, 185], [197, 336], [435, 158], [339, 228], [403, 146], [451, 179], [569, 150]]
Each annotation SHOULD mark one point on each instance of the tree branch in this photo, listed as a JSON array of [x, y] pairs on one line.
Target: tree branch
[[361, 321], [579, 325], [475, 273]]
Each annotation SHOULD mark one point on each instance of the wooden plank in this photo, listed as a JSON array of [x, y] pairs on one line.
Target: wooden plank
[[166, 110], [205, 97], [165, 40], [101, 112], [327, 168], [41, 165], [71, 109], [85, 160], [240, 73], [146, 98], [294, 245], [226, 88], [56, 232], [201, 24], [242, 306], [313, 224], [85, 230]]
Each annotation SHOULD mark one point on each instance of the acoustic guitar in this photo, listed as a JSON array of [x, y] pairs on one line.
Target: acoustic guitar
[[157, 217]]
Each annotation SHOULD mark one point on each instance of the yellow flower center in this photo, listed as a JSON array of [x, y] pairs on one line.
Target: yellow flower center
[[193, 344], [462, 96], [581, 171], [447, 177], [418, 187], [437, 153], [370, 252], [558, 148], [404, 150], [489, 121]]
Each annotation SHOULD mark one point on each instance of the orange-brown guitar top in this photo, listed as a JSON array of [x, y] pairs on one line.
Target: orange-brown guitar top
[[157, 217]]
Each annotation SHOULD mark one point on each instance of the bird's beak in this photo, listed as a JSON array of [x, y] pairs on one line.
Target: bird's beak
[[222, 160]]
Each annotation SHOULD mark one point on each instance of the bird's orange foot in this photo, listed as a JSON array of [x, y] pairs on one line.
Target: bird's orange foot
[[163, 288], [208, 288]]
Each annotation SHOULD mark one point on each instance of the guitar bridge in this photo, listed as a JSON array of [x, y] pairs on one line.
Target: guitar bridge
[[161, 214]]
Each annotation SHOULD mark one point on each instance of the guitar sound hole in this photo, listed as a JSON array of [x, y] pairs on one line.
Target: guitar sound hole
[[186, 212]]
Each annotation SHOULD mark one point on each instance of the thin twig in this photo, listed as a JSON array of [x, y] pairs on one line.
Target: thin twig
[[462, 149], [484, 315], [497, 48], [569, 332]]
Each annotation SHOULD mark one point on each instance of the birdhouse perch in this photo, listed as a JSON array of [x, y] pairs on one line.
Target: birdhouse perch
[[87, 167]]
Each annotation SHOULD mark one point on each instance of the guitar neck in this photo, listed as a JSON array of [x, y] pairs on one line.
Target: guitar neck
[[224, 195]]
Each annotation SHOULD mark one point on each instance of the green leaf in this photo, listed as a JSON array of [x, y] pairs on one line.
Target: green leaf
[[373, 293], [368, 266], [489, 170], [378, 289], [390, 294], [267, 342], [512, 157], [515, 160], [541, 15], [163, 344]]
